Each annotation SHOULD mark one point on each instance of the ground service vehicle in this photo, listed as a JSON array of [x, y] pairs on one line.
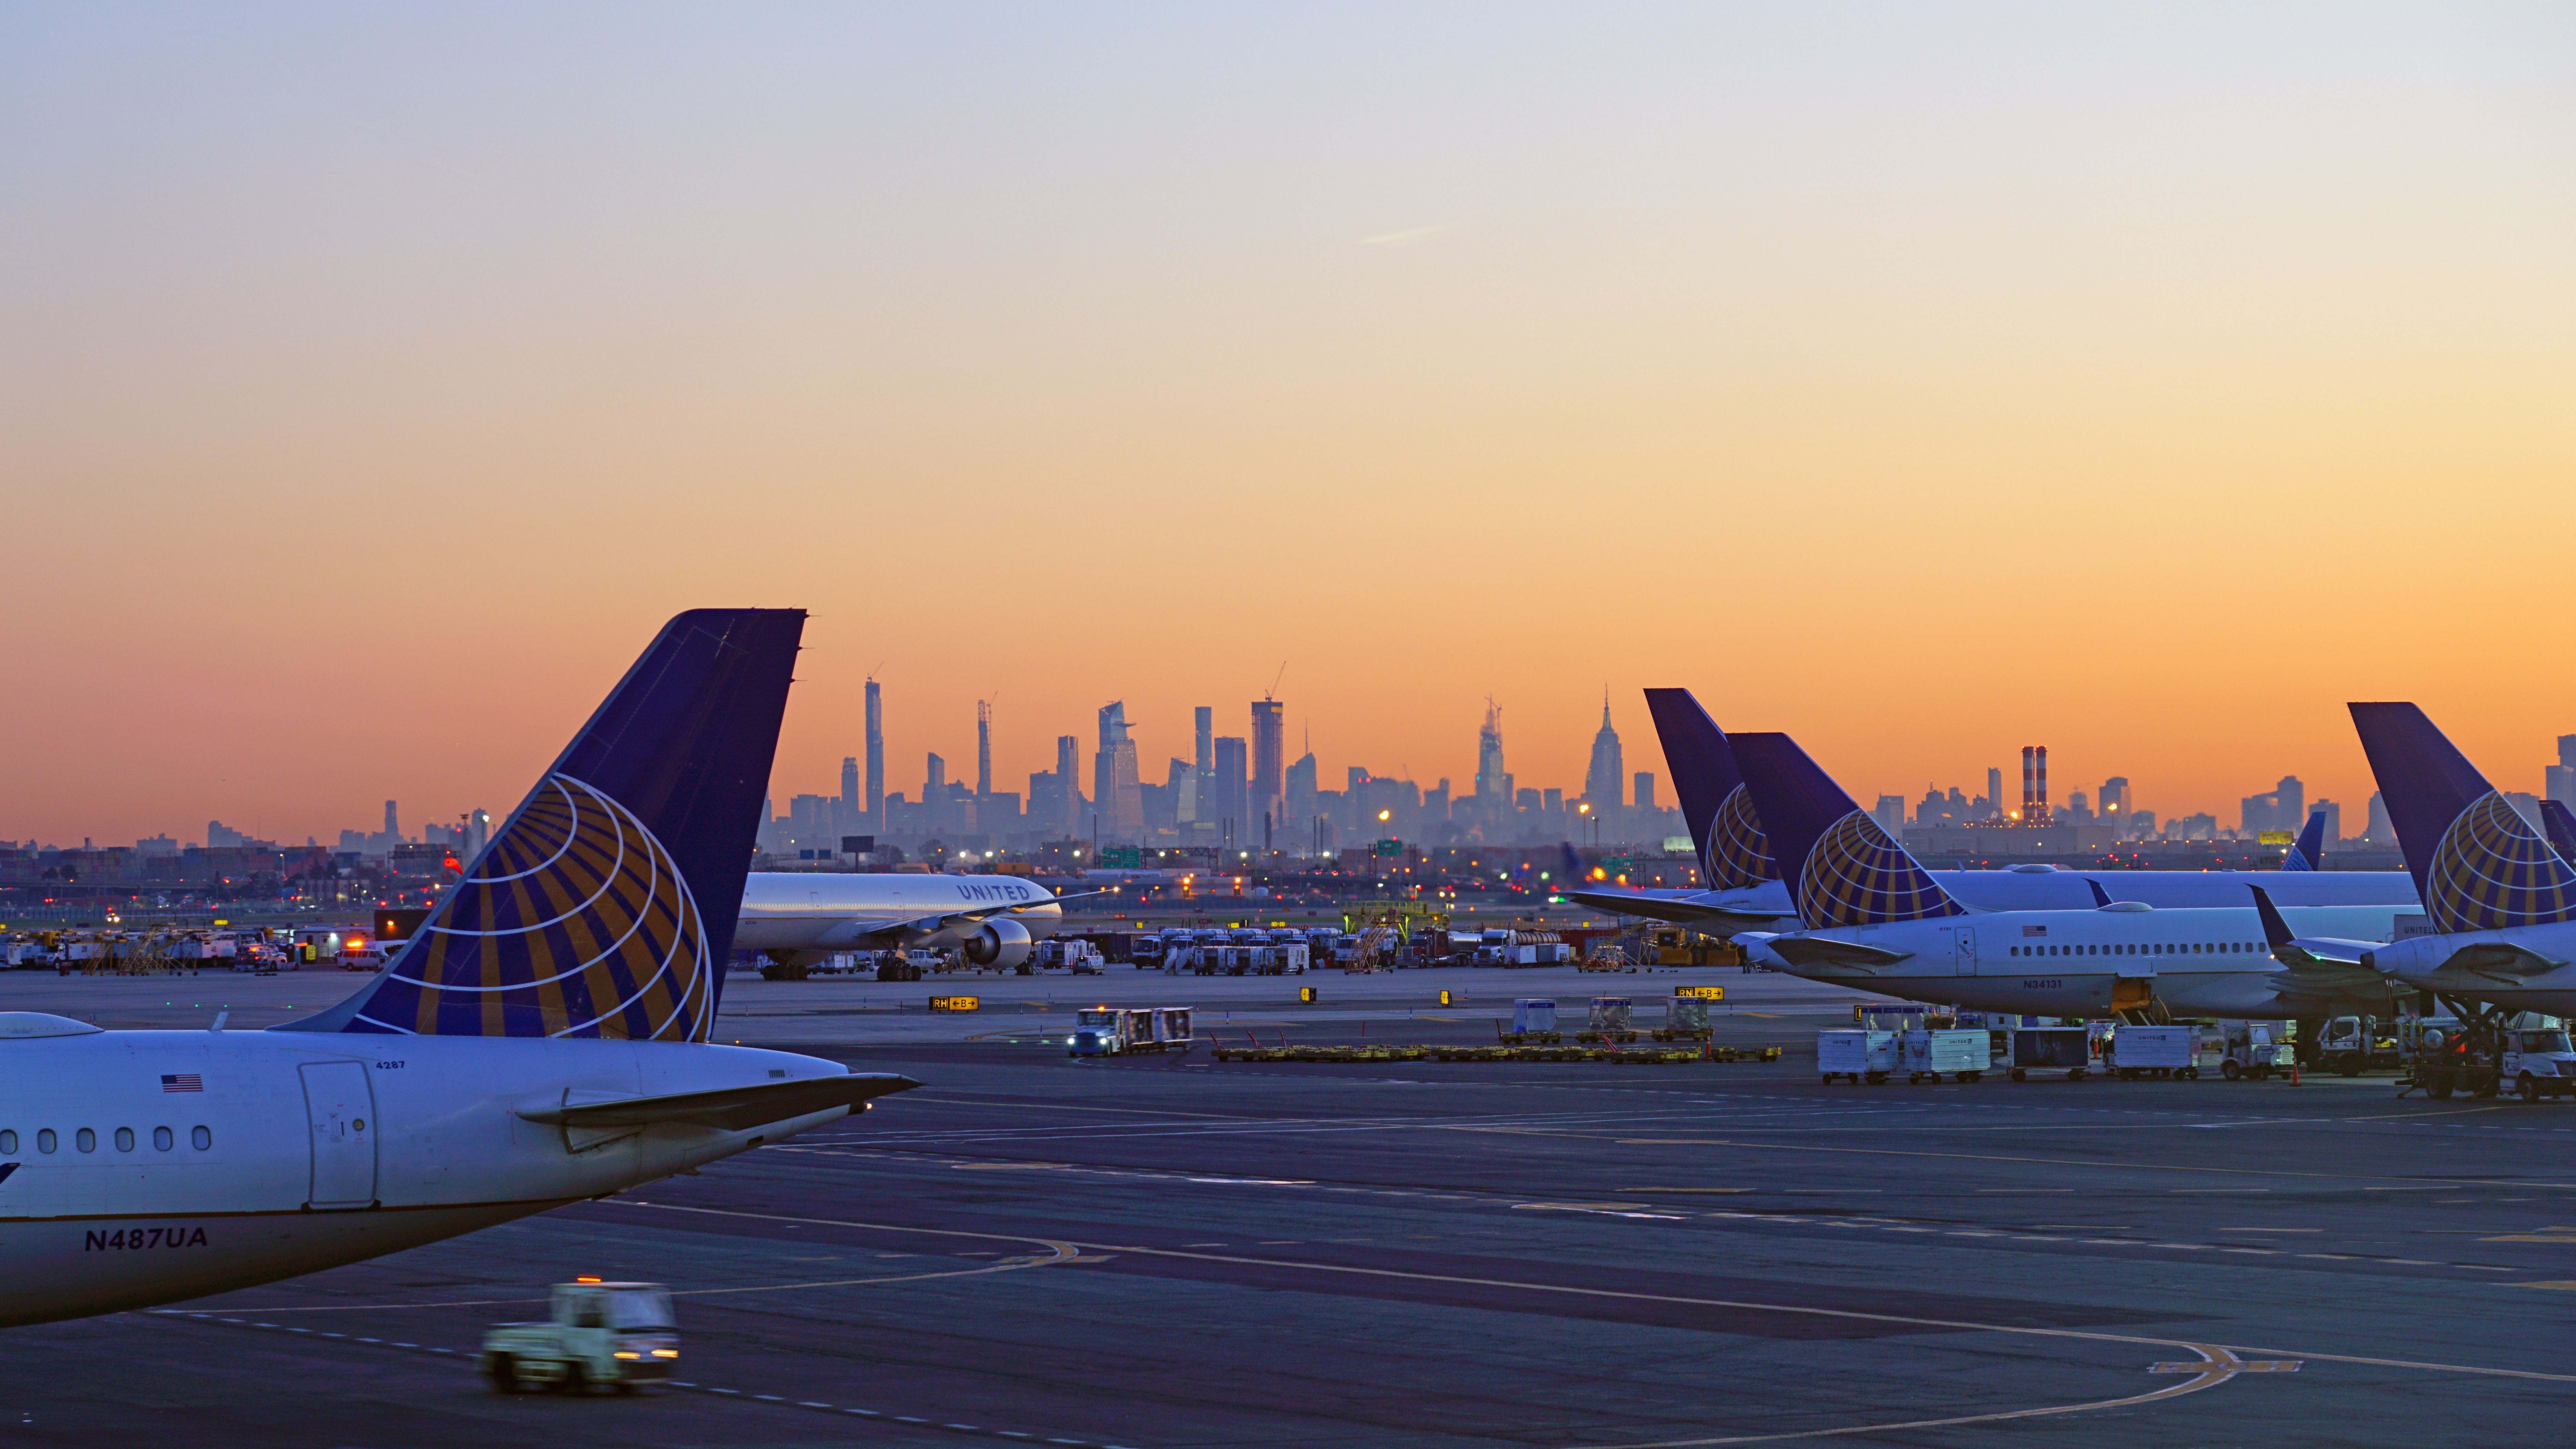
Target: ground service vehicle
[[2257, 1049], [618, 1334], [2351, 1045], [2484, 1059], [2151, 1051]]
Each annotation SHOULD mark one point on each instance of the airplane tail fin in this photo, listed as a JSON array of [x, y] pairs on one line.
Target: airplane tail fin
[[1734, 852], [1842, 867], [2561, 825], [2309, 852], [605, 906], [2476, 863]]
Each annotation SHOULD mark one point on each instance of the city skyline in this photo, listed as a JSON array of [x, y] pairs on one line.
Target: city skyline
[[2174, 375]]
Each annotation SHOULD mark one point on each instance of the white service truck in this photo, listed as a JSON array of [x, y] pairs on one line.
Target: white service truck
[[618, 1334]]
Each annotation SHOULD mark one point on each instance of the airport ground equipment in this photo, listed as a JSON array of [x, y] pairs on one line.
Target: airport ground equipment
[[2489, 1052], [1533, 1023], [1610, 1021], [618, 1334], [2152, 1051], [1685, 1019], [1861, 1056], [2257, 1049], [2351, 1045], [1104, 1031], [2049, 1049], [1964, 1053]]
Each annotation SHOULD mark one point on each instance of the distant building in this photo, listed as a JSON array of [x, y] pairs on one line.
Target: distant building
[[1605, 779], [1492, 784], [1645, 792], [1994, 793], [2378, 831], [983, 747], [2334, 821], [1269, 801], [1068, 798], [2283, 807], [876, 755], [1231, 807], [1890, 815], [1113, 778], [2559, 780]]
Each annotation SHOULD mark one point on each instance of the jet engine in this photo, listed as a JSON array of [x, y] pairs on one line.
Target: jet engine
[[1002, 943]]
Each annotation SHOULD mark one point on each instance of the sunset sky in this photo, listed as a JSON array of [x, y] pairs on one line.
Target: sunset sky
[[1925, 380]]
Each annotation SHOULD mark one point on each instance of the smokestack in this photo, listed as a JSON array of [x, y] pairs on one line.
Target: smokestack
[[2029, 784]]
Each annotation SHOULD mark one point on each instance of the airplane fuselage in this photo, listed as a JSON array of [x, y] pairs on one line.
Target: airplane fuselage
[[2447, 964], [2209, 962], [843, 911], [153, 1166]]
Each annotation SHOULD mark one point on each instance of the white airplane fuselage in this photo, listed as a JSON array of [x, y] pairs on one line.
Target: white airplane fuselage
[[2424, 963], [152, 1166], [843, 911], [2210, 962]]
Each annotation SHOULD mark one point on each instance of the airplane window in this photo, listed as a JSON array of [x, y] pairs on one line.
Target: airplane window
[[86, 1140], [161, 1139], [45, 1140], [201, 1139], [8, 1142], [125, 1139]]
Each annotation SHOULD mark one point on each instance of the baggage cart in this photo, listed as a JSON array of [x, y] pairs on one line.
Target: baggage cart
[[1685, 1019], [1533, 1023], [2051, 1048], [1964, 1053], [1861, 1056]]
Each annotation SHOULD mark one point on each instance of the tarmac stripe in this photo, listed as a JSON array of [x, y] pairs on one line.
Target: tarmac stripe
[[1961, 1325]]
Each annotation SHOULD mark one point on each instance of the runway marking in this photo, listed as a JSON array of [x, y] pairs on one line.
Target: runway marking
[[687, 1385], [2216, 1366], [1961, 1325]]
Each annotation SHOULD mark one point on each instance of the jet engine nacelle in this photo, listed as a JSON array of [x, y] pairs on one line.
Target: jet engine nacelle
[[1002, 943]]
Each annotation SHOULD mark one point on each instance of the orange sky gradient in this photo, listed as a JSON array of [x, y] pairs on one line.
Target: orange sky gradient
[[2146, 384]]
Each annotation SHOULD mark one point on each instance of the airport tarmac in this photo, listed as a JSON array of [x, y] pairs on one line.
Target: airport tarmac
[[1169, 1251]]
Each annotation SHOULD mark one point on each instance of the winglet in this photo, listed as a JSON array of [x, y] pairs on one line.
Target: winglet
[[2276, 931], [2310, 851], [2101, 897]]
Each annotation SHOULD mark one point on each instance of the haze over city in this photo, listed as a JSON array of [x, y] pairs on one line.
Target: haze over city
[[2145, 385]]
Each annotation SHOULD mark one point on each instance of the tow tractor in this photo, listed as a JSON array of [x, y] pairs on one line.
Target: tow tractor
[[2489, 1053], [618, 1334]]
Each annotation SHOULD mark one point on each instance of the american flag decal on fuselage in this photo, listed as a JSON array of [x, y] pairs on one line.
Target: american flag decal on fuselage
[[182, 1082]]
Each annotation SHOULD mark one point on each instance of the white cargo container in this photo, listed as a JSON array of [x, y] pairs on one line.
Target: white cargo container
[[1964, 1053], [2151, 1051], [1534, 1015], [1860, 1055]]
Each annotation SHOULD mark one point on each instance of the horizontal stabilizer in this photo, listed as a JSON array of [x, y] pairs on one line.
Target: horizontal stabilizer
[[1804, 951], [1680, 912], [729, 1109]]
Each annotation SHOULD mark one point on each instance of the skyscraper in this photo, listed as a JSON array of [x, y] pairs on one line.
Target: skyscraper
[[1197, 791], [1230, 805], [1068, 773], [983, 748], [1995, 790], [934, 773], [1493, 787], [1607, 775], [876, 755], [1269, 800], [2558, 781], [1113, 777], [1646, 794], [849, 788]]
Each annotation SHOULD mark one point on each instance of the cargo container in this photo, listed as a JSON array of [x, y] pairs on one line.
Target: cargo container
[[2051, 1048], [1964, 1053], [2152, 1051], [1534, 1014], [1862, 1056]]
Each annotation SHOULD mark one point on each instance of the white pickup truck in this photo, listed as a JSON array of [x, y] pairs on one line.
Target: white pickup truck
[[618, 1334]]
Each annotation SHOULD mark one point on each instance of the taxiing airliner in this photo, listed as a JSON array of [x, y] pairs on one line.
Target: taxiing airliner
[[542, 1038], [801, 917]]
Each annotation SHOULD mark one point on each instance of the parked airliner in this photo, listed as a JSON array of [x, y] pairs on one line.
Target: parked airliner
[[540, 1039], [1746, 892], [2500, 900], [1873, 918], [802, 917]]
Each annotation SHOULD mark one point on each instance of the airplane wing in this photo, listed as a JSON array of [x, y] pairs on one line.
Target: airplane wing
[[1662, 908], [730, 1109], [1826, 951]]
